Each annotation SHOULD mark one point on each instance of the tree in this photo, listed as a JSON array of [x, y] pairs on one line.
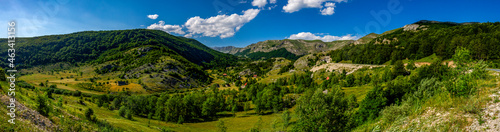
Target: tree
[[209, 107], [221, 127], [129, 114], [42, 107], [116, 103], [2, 74], [318, 111], [60, 101], [398, 69], [122, 111], [411, 65], [462, 57], [88, 114], [350, 79], [286, 119]]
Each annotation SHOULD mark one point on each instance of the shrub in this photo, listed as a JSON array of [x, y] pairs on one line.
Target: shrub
[[393, 112], [122, 111], [88, 114]]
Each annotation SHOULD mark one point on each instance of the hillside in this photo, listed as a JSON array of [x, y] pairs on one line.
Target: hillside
[[157, 58], [292, 49], [366, 39], [224, 49], [424, 38]]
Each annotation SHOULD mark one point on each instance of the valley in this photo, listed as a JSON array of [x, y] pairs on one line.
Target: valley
[[437, 76]]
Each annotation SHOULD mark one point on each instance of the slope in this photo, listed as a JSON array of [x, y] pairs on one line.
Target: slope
[[293, 48], [424, 38], [169, 61]]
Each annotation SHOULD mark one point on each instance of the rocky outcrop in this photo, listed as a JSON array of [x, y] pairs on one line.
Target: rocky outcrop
[[297, 47], [27, 114], [414, 27]]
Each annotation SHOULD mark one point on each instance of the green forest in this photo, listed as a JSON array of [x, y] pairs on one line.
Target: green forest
[[441, 39]]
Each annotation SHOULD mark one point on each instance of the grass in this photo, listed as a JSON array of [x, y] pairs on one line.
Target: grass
[[430, 58], [441, 112], [358, 91]]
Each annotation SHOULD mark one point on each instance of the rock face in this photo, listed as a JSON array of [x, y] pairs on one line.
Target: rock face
[[297, 47], [338, 67], [414, 27], [246, 72]]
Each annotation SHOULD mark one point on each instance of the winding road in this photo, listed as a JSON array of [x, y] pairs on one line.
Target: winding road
[[497, 70]]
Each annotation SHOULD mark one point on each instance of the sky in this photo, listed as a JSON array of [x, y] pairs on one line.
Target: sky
[[238, 22]]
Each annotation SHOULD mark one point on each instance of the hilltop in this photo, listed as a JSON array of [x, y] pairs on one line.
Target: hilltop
[[158, 59], [225, 49], [290, 49]]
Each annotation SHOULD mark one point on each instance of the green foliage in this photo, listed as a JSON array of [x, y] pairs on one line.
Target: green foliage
[[2, 74], [209, 107], [370, 106], [88, 114], [411, 65], [463, 85], [462, 57], [122, 111], [322, 112], [287, 68], [221, 127], [273, 54], [285, 116], [480, 38], [262, 67], [128, 114], [42, 107], [393, 112], [398, 69]]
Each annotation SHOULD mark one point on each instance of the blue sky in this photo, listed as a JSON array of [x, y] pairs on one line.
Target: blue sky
[[239, 22]]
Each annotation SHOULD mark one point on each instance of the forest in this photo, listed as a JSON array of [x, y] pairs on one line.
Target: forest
[[441, 39]]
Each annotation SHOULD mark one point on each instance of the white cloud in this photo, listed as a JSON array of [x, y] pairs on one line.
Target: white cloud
[[259, 3], [153, 16], [329, 10], [324, 38], [167, 28], [262, 3], [221, 25], [329, 4], [296, 5]]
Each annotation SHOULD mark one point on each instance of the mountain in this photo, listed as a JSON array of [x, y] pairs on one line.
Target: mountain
[[366, 39], [425, 38], [224, 49], [290, 49], [159, 59]]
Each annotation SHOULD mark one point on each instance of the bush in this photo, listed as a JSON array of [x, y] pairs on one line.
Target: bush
[[2, 75], [122, 111], [221, 127], [129, 114], [462, 86], [393, 112], [88, 114], [427, 88]]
